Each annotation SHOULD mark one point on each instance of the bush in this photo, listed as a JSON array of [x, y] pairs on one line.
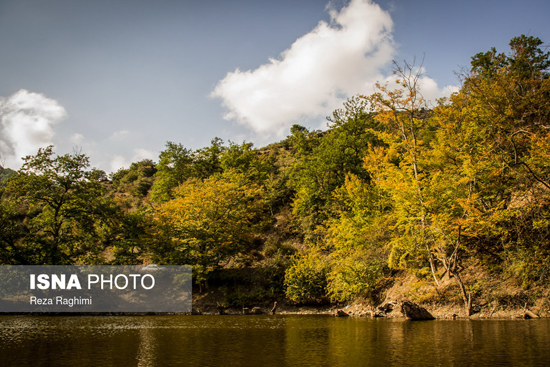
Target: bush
[[354, 277], [306, 278]]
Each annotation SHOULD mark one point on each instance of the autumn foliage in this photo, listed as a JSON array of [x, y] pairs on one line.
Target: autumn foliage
[[396, 184]]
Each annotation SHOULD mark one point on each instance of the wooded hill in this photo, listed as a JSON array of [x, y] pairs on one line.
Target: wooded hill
[[394, 186]]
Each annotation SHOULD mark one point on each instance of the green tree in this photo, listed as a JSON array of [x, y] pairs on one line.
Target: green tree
[[243, 158], [5, 174], [135, 180], [324, 159], [174, 167], [177, 164], [207, 161], [64, 207], [131, 237], [11, 231]]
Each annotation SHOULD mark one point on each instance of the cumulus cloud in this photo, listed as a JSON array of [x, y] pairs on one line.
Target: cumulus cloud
[[315, 75], [27, 122], [432, 92]]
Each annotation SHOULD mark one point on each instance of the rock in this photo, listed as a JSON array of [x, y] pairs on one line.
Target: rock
[[530, 315], [341, 313], [256, 311], [387, 307], [412, 311]]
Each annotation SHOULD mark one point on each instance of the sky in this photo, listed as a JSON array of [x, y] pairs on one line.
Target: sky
[[117, 79]]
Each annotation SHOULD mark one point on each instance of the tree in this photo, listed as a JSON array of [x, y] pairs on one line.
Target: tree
[[400, 169], [64, 208], [494, 139], [131, 237], [324, 159], [10, 234], [177, 164], [356, 236], [5, 174], [511, 94], [207, 161], [209, 222], [174, 167], [252, 163], [135, 180]]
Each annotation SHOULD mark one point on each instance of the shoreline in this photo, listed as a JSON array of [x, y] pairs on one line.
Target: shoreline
[[439, 312]]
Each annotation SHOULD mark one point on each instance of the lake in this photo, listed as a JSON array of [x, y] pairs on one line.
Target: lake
[[280, 340]]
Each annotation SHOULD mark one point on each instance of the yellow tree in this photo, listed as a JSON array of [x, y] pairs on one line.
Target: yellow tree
[[209, 222], [355, 236], [400, 168], [493, 141], [427, 191]]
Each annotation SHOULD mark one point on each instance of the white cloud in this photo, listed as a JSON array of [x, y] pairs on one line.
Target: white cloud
[[119, 135], [432, 92], [427, 86], [26, 124], [316, 74], [118, 162], [141, 154], [28, 120]]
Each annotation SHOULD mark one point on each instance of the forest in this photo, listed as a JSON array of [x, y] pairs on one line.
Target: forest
[[395, 186]]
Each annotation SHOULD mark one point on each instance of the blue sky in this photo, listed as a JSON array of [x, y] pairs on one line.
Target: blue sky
[[117, 79]]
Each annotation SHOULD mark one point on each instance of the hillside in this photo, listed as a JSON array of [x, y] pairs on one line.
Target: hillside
[[446, 205]]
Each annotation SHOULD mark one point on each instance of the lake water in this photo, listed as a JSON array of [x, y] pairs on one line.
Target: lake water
[[280, 340]]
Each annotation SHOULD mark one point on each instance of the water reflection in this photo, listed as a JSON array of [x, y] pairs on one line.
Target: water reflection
[[269, 341], [146, 355]]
